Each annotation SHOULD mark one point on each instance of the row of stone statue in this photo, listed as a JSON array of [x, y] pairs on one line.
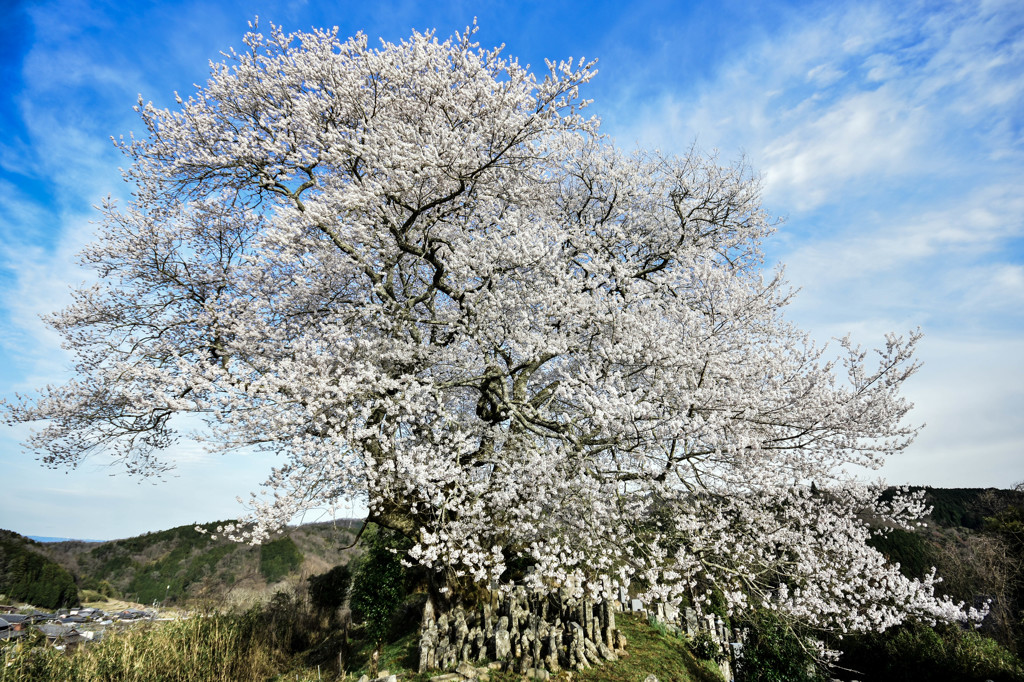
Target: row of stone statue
[[525, 630]]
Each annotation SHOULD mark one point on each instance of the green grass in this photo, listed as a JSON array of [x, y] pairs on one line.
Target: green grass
[[402, 655], [651, 651]]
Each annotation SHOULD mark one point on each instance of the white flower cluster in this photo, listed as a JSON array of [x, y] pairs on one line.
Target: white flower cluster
[[421, 277]]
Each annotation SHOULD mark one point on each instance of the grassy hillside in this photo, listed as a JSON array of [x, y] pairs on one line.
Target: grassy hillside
[[183, 565], [652, 651]]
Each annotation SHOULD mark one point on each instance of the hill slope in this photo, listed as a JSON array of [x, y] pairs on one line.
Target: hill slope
[[181, 564], [27, 575]]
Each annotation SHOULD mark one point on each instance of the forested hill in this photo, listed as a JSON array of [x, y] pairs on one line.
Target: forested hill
[[966, 529], [962, 524], [975, 540], [969, 507], [27, 575], [181, 564]]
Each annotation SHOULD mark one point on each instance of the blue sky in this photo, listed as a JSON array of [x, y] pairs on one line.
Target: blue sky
[[890, 136]]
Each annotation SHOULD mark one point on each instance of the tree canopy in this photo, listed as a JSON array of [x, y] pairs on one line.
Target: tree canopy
[[421, 275]]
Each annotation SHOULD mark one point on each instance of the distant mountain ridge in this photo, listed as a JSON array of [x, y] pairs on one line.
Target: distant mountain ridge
[[46, 538]]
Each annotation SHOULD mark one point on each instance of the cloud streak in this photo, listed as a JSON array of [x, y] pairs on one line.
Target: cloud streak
[[891, 137]]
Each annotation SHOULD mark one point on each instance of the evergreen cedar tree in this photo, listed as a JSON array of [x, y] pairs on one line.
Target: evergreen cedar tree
[[419, 275], [28, 576]]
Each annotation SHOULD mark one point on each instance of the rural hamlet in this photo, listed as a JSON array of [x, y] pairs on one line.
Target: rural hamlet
[[67, 627]]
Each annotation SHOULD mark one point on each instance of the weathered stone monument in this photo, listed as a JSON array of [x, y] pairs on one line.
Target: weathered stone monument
[[526, 631]]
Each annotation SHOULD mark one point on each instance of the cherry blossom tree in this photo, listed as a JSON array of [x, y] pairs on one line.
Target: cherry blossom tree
[[423, 278]]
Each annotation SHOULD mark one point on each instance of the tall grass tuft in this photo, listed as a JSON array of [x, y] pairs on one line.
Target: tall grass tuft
[[214, 647]]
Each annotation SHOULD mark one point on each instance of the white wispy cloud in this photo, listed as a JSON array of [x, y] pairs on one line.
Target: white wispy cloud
[[890, 134], [894, 240], [865, 136], [850, 100]]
